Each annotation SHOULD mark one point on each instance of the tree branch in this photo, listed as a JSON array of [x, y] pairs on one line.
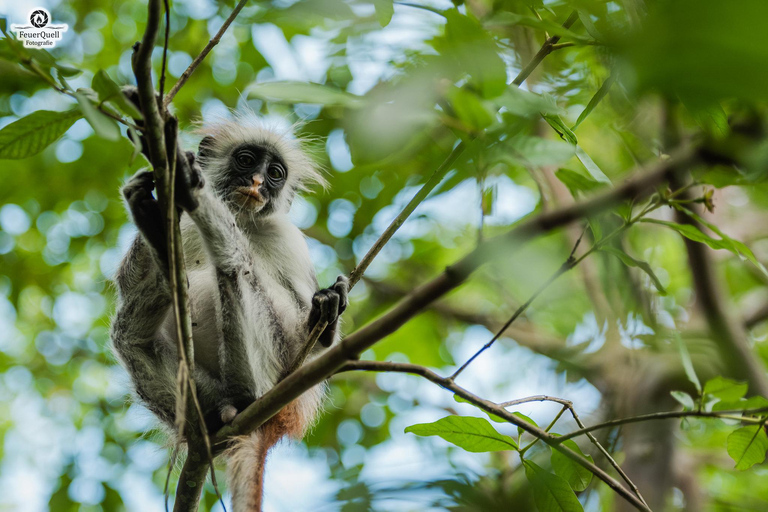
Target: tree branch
[[161, 136], [350, 347], [422, 194], [208, 47], [655, 416], [497, 410]]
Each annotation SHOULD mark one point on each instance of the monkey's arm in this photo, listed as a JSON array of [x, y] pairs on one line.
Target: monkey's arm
[[327, 305]]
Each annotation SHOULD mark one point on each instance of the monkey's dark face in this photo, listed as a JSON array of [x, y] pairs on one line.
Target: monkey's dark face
[[254, 178]]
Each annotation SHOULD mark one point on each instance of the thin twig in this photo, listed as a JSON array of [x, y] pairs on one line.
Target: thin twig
[[208, 47], [490, 407], [417, 199], [565, 267], [420, 298], [655, 416], [165, 47], [545, 50], [608, 456]]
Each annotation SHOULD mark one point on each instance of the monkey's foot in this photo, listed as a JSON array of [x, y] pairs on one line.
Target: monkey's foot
[[228, 413]]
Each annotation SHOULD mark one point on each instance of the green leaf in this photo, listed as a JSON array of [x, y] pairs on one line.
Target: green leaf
[[384, 11], [525, 103], [747, 446], [753, 402], [703, 50], [472, 434], [684, 398], [685, 357], [691, 232], [550, 492], [33, 133], [104, 126], [470, 109], [576, 183], [577, 476], [599, 95], [302, 92], [110, 91], [725, 389], [560, 127], [735, 246], [535, 151], [632, 262], [467, 48], [591, 166]]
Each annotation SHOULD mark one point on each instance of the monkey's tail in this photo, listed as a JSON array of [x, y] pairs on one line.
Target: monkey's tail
[[248, 456]]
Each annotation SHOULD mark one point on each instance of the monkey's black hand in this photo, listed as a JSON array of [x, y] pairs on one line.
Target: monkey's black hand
[[146, 211], [327, 306], [189, 179]]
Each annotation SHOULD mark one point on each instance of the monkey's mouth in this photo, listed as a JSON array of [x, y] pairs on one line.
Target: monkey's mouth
[[252, 196]]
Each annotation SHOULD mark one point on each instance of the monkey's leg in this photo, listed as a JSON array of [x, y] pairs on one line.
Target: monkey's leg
[[143, 305], [327, 306]]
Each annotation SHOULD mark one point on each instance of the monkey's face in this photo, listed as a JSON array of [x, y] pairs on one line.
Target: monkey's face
[[256, 175]]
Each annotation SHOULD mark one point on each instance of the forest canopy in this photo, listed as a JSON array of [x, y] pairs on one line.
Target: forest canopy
[[553, 213]]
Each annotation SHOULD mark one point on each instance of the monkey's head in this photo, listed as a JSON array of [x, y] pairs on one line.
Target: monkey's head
[[255, 169]]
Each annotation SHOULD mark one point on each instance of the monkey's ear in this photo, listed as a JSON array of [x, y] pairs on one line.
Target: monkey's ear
[[206, 147]]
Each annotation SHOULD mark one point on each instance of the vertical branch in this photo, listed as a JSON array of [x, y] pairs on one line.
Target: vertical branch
[[161, 137], [190, 483]]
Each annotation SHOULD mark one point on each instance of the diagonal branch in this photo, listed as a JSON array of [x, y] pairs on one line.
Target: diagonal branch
[[208, 47], [420, 196], [350, 347], [496, 409]]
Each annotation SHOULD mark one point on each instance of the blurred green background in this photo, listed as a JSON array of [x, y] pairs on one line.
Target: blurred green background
[[400, 84]]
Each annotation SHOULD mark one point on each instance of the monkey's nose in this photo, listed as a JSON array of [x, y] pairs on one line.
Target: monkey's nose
[[257, 180]]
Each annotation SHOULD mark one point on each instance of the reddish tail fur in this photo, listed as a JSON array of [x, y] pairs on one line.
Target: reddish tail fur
[[248, 457]]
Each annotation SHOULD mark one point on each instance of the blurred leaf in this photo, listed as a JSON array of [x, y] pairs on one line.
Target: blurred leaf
[[302, 92], [599, 95], [525, 103], [725, 389], [104, 126], [577, 476], [685, 357], [632, 262], [533, 151], [33, 133], [684, 398], [384, 11], [553, 28], [753, 402], [110, 91], [577, 184], [551, 493], [591, 166], [710, 116], [736, 247], [467, 47], [693, 233], [747, 446], [471, 434], [560, 127], [704, 49], [470, 109]]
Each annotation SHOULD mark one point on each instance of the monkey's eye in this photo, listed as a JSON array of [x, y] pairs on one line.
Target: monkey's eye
[[276, 172], [246, 159]]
